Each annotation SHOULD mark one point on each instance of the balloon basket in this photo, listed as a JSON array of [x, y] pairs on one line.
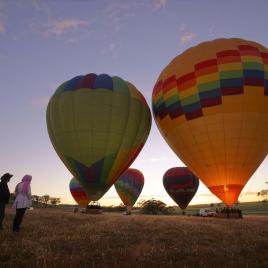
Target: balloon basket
[[94, 208], [229, 213]]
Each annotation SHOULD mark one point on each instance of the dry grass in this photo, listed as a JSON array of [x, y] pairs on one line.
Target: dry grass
[[52, 238]]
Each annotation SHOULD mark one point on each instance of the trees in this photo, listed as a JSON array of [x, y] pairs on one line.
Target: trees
[[45, 198], [154, 207], [263, 194], [54, 200], [37, 198]]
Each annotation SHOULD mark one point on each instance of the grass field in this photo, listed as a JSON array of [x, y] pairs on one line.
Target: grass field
[[55, 238]]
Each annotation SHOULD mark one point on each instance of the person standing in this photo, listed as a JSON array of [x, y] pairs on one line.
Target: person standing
[[4, 196], [23, 200]]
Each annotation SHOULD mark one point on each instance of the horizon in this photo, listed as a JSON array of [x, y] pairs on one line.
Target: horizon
[[172, 203]]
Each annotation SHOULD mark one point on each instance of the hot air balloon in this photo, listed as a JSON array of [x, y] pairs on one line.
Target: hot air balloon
[[129, 186], [211, 105], [78, 193], [97, 124], [181, 185]]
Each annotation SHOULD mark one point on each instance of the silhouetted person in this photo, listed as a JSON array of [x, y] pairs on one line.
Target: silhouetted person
[[23, 200], [240, 213], [4, 196]]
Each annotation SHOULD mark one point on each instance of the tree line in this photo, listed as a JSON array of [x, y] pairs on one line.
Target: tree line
[[44, 199]]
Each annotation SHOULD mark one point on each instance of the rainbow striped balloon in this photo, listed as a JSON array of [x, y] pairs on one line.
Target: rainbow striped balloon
[[129, 186], [78, 193]]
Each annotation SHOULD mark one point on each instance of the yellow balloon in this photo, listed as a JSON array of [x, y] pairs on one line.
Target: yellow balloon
[[211, 105]]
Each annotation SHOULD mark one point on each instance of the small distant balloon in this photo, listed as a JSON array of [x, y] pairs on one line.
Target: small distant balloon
[[181, 185], [129, 186], [78, 193]]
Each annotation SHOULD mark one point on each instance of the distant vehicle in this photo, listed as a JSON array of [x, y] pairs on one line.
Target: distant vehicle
[[206, 212], [94, 208], [82, 210]]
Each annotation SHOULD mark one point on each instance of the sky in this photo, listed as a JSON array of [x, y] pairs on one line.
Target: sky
[[44, 43]]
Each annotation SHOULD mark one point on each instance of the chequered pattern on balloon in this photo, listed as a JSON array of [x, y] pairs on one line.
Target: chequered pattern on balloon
[[227, 74], [94, 82], [128, 192], [98, 170], [129, 186]]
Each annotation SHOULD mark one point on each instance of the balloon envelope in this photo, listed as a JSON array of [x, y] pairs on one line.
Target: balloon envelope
[[211, 105], [97, 124], [129, 186], [78, 193], [181, 184]]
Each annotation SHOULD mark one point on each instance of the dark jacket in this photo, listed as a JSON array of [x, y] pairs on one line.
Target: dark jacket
[[4, 192]]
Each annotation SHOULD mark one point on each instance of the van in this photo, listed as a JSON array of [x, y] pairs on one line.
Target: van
[[206, 212]]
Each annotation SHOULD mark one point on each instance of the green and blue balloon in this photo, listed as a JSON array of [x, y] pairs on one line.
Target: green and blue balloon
[[97, 124]]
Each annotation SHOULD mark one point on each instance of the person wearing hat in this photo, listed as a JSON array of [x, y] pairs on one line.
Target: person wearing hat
[[4, 196]]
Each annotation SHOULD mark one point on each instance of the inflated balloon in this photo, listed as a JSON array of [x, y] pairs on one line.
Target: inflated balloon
[[78, 193], [211, 105], [97, 124], [181, 185], [129, 186]]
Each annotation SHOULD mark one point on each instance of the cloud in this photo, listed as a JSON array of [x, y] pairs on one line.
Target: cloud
[[60, 27], [111, 50], [159, 4], [114, 17], [187, 37], [117, 13], [2, 27]]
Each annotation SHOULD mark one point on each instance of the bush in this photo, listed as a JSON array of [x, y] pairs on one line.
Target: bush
[[120, 208], [155, 207]]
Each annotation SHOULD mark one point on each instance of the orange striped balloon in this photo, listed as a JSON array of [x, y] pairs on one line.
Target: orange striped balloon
[[211, 105]]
